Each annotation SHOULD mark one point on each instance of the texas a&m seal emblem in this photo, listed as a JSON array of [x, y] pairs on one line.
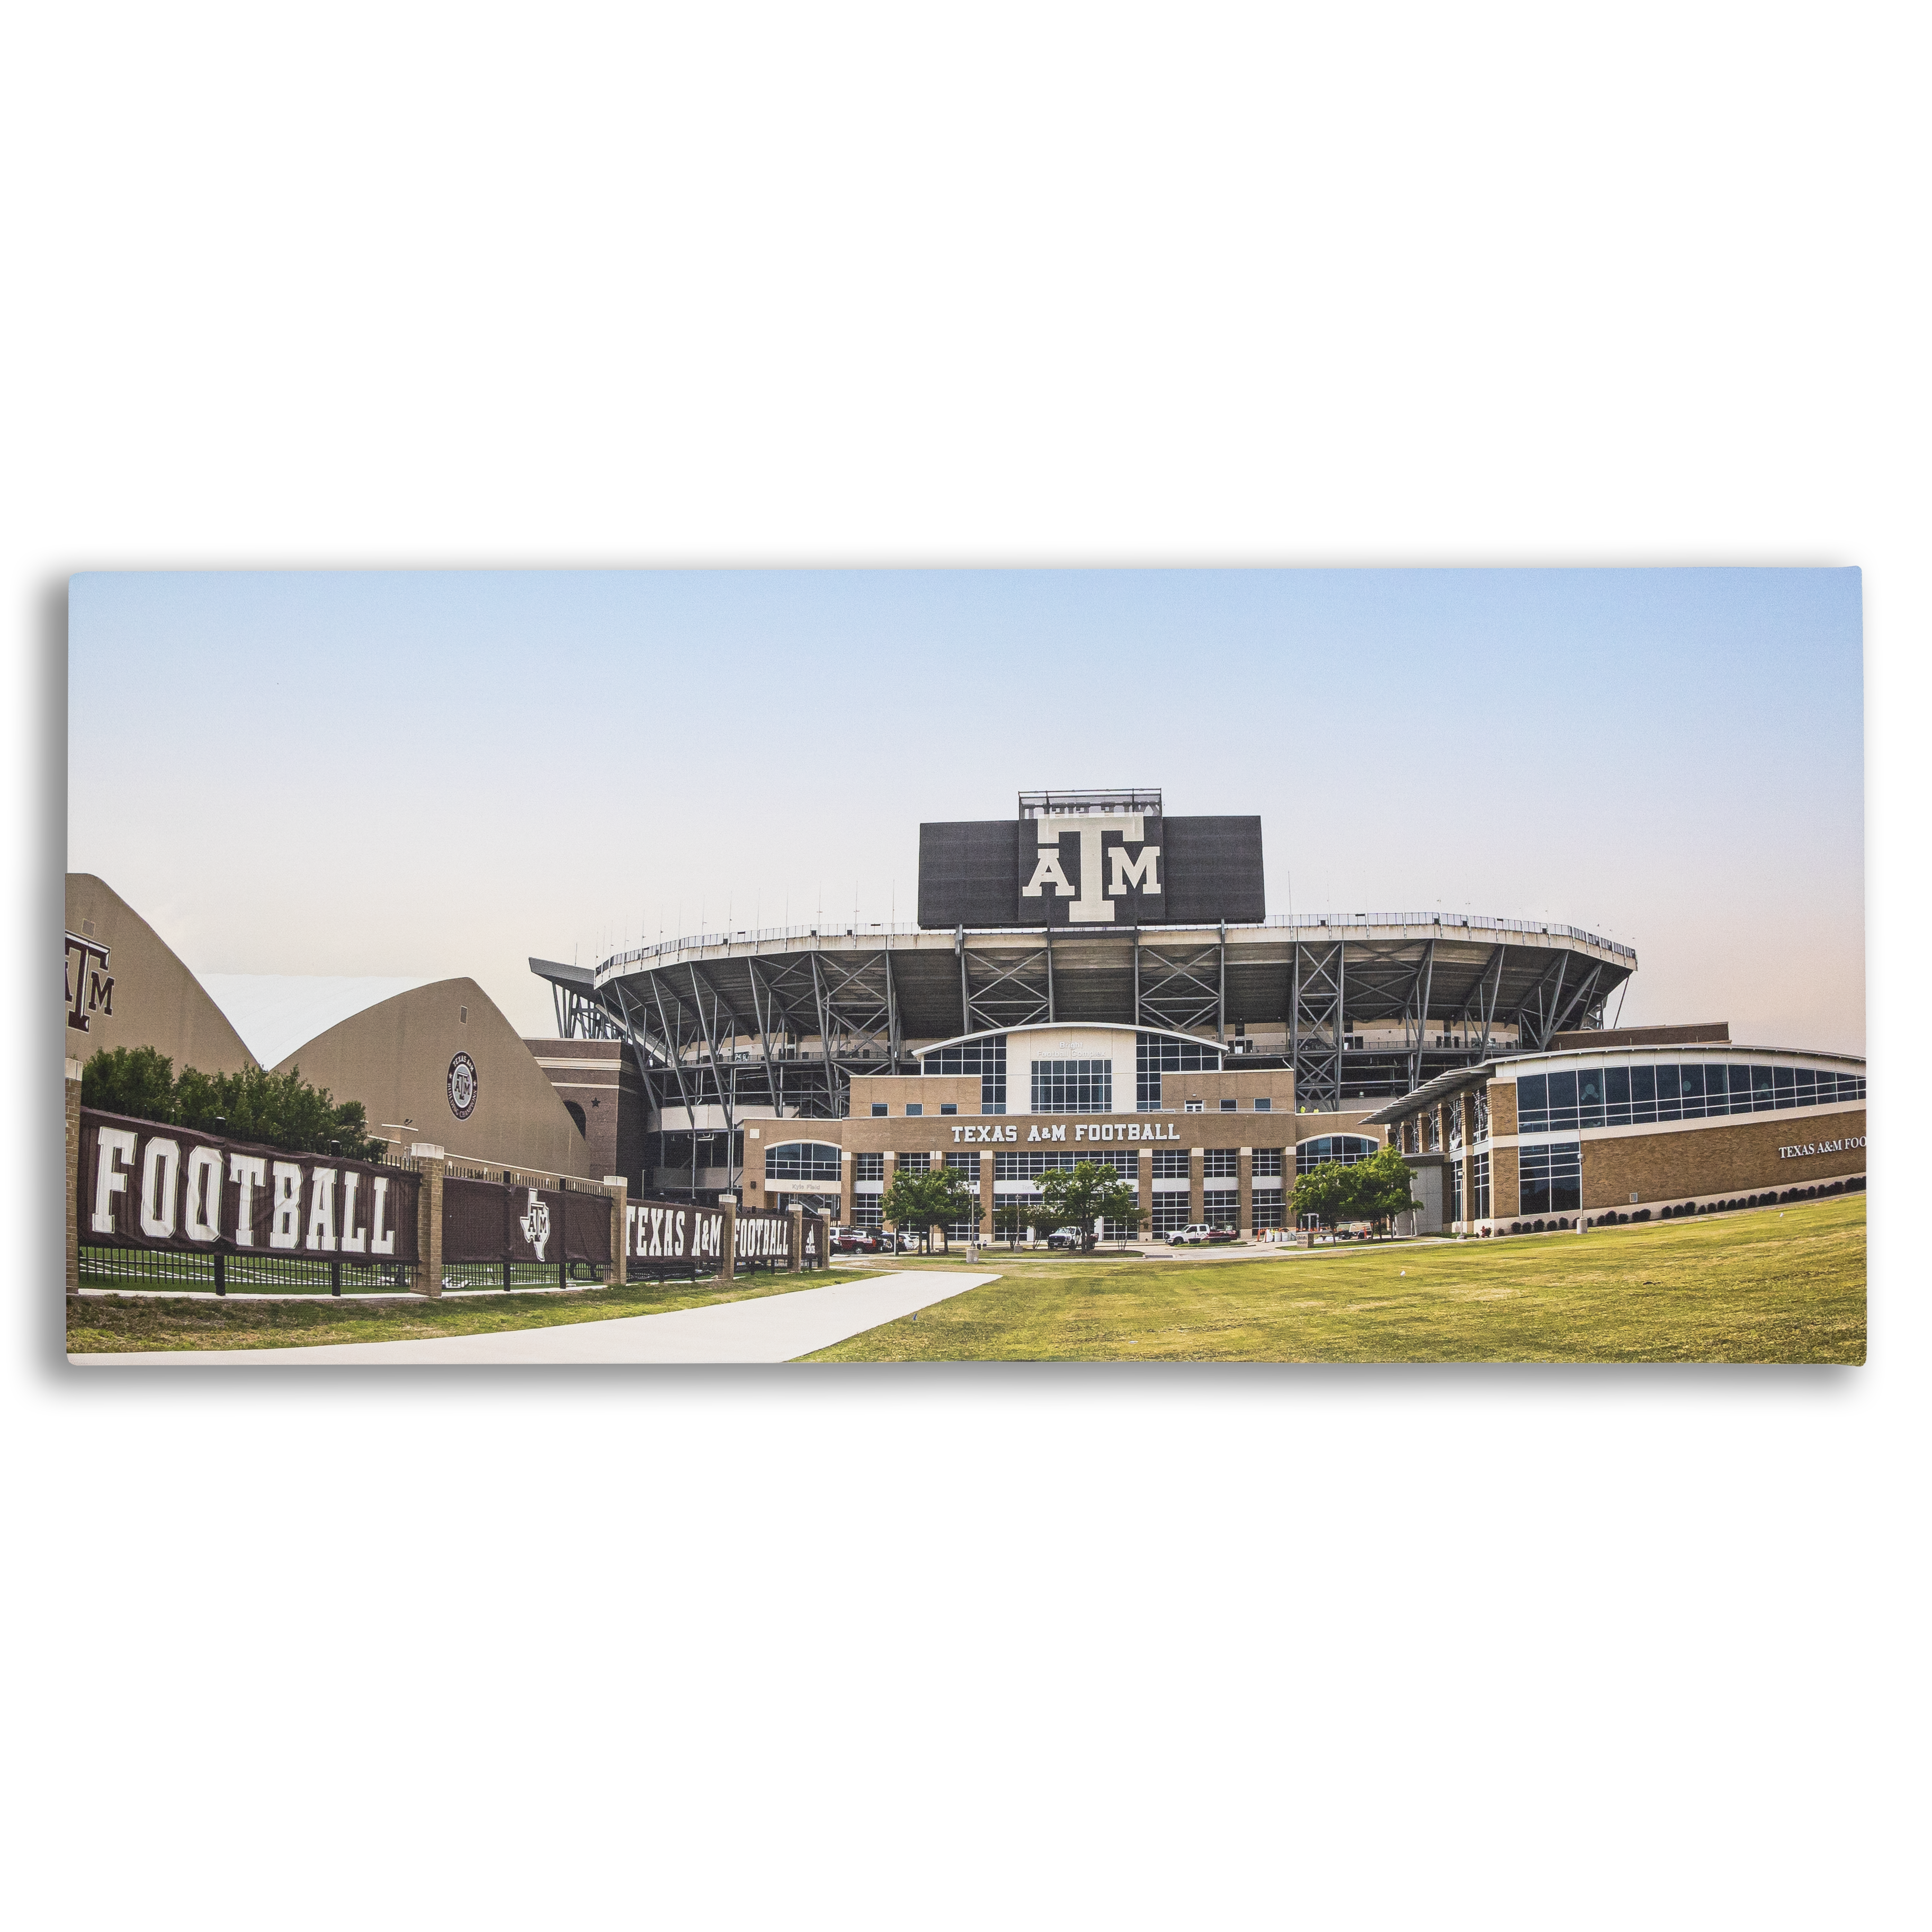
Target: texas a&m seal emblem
[[463, 1086]]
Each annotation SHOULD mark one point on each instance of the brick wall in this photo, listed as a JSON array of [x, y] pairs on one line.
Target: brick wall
[[1727, 1157]]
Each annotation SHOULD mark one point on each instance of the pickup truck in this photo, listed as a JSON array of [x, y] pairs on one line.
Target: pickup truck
[[1197, 1232]]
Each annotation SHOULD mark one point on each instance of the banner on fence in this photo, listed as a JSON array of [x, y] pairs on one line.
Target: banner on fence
[[763, 1236], [142, 1184], [674, 1232], [489, 1221]]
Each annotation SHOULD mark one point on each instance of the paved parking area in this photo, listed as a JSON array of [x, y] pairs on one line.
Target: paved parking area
[[774, 1328]]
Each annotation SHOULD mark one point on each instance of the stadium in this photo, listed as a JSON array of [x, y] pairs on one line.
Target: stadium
[[1091, 928], [1091, 979]]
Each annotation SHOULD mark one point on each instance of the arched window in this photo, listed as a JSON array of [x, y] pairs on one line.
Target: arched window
[[1346, 1148], [802, 1160]]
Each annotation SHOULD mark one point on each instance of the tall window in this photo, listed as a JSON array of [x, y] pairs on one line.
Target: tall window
[[1550, 1177], [1157, 1053], [986, 1057], [1072, 1086], [1220, 1163]]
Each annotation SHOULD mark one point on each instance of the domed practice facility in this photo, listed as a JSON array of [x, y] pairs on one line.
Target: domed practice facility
[[433, 1062], [1092, 978]]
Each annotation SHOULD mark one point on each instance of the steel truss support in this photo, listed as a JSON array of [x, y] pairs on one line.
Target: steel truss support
[[1579, 1003], [1018, 994], [1185, 991], [1415, 1014], [1547, 994], [1314, 1025]]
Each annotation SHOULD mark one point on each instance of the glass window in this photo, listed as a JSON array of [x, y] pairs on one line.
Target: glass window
[[1170, 1212], [1590, 1097], [914, 1108], [1717, 1090], [1072, 1086], [1616, 1097], [1763, 1089], [1787, 1086], [1345, 1148], [878, 1110], [986, 1057], [949, 1106], [1194, 1106], [1532, 1103], [1695, 1100], [1263, 1105], [1267, 1160], [869, 1167], [1220, 1163], [1170, 1164], [1229, 1106], [1643, 1093], [1806, 1087], [1550, 1177], [802, 1160], [1479, 1179], [1157, 1053], [1670, 1094], [1562, 1101], [1268, 1206]]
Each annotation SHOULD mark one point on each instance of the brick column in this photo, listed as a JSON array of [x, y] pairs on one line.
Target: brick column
[[727, 1261], [1244, 1183], [427, 1160], [1146, 1187], [73, 1177], [986, 1198], [620, 1190], [1197, 1208], [797, 1237], [846, 1199]]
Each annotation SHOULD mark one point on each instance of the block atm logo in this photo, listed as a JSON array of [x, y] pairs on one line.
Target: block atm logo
[[90, 986], [1092, 869]]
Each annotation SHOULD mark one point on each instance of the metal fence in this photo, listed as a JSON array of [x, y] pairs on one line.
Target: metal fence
[[164, 1268]]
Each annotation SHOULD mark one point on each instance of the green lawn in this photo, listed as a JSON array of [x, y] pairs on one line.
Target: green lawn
[[1761, 1287], [108, 1324]]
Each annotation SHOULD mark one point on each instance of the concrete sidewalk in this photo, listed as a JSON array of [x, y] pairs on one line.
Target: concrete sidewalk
[[774, 1328]]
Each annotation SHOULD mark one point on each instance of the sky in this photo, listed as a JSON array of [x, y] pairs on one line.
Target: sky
[[433, 774]]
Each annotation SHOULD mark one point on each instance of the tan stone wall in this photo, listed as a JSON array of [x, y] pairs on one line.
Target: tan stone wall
[[394, 1057], [929, 1091], [156, 1001], [1728, 1156], [73, 1177]]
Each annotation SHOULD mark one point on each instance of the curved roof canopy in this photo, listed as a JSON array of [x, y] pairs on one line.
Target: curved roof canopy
[[277, 1012]]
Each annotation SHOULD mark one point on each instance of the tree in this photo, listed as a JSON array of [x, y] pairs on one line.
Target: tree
[[1326, 1193], [927, 1198], [135, 1080], [278, 1110], [1011, 1223], [1380, 1185], [1079, 1197]]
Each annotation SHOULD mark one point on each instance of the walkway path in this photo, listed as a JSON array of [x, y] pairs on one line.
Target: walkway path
[[774, 1328]]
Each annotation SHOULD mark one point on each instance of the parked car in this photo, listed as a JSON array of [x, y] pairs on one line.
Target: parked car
[[856, 1241], [1192, 1235], [1223, 1234]]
